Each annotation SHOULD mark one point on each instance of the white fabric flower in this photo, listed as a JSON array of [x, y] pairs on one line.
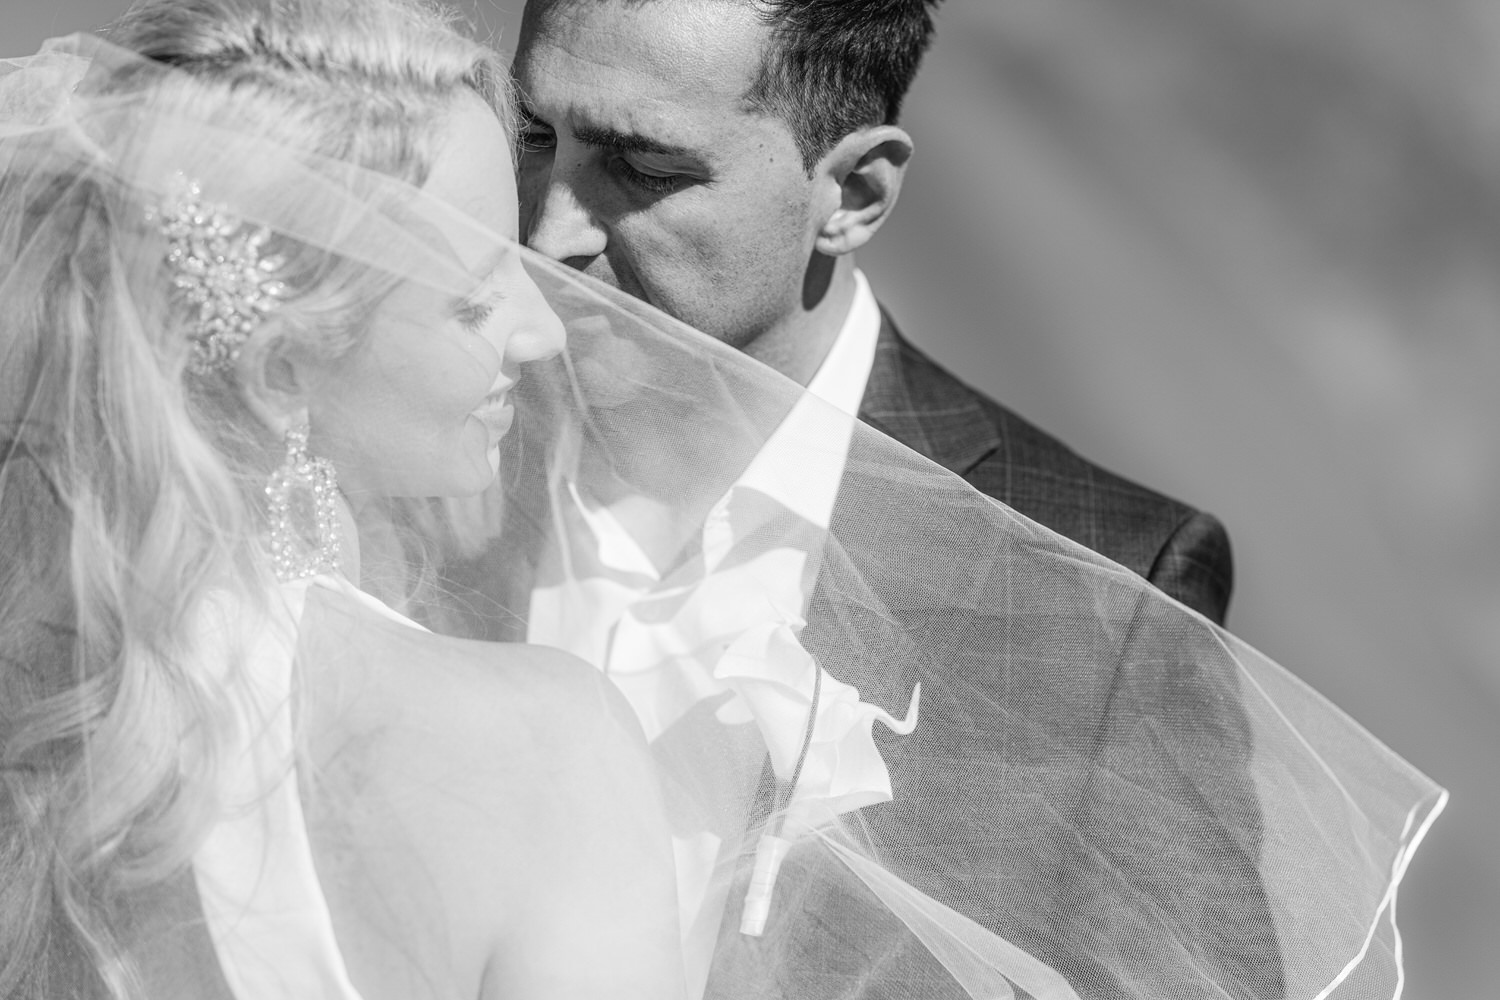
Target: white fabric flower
[[778, 686]]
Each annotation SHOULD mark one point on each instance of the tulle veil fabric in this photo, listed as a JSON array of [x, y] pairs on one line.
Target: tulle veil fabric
[[909, 742]]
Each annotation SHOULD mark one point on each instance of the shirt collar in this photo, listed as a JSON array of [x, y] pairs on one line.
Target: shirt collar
[[844, 373], [802, 462]]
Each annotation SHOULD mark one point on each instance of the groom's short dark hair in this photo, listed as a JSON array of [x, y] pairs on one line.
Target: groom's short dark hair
[[834, 66], [831, 67]]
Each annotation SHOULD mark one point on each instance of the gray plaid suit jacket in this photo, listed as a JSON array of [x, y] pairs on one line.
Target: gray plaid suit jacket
[[1063, 893], [1184, 552]]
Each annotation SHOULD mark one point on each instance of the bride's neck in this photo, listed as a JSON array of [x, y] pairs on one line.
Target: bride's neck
[[373, 556]]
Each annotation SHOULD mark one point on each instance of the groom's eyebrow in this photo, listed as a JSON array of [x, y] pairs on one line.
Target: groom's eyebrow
[[626, 142]]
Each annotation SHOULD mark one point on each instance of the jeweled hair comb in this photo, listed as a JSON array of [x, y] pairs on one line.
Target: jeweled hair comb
[[218, 268]]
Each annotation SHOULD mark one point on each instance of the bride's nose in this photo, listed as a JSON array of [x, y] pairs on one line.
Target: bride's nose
[[537, 331]]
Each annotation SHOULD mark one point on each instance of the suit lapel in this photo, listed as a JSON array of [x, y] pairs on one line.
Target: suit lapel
[[911, 399]]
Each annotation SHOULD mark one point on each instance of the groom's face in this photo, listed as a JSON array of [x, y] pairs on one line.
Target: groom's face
[[643, 166]]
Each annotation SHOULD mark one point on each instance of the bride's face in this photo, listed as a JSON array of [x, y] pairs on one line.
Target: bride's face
[[418, 408]]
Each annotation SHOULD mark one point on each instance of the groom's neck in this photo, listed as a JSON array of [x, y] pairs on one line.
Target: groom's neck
[[798, 344]]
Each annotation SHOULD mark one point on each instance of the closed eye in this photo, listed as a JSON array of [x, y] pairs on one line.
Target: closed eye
[[472, 315], [646, 180]]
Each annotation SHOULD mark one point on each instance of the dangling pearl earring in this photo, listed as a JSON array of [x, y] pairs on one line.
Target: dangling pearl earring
[[302, 497]]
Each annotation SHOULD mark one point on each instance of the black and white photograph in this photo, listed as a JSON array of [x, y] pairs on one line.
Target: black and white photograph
[[749, 499]]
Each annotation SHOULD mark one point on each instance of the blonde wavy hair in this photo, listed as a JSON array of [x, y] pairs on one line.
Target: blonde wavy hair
[[129, 486]]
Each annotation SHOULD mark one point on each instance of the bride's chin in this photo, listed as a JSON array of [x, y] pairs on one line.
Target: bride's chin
[[485, 450], [486, 465]]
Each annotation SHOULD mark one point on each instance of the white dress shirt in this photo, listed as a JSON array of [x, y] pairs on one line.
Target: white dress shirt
[[804, 479], [734, 627]]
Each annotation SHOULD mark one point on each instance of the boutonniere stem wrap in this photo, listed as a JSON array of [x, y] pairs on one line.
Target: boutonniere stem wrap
[[829, 761]]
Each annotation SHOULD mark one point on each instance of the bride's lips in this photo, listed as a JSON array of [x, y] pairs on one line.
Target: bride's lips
[[496, 415]]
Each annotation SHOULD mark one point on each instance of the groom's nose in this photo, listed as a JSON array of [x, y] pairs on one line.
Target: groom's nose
[[557, 218]]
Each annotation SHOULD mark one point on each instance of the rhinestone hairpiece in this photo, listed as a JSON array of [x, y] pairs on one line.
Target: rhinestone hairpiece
[[218, 268]]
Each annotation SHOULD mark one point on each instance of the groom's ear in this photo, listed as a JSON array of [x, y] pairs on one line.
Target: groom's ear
[[862, 176]]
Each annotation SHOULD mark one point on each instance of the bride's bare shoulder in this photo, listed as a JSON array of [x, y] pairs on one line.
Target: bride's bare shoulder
[[487, 744], [496, 696], [368, 670], [515, 776]]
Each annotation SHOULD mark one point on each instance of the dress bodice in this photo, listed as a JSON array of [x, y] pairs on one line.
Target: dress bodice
[[263, 905]]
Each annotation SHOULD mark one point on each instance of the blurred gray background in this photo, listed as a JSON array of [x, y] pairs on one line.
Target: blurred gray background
[[1248, 252]]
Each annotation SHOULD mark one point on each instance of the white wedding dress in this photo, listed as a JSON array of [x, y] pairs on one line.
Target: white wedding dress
[[263, 904]]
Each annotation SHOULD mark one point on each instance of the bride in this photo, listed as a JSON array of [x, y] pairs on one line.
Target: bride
[[262, 303], [164, 358]]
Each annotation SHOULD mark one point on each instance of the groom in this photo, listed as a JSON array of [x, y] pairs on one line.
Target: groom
[[723, 160]]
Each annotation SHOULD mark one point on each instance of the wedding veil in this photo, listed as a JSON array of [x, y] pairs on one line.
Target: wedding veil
[[910, 743]]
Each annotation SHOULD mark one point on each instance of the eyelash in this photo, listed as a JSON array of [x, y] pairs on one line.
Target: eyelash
[[532, 139], [472, 316], [647, 182]]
